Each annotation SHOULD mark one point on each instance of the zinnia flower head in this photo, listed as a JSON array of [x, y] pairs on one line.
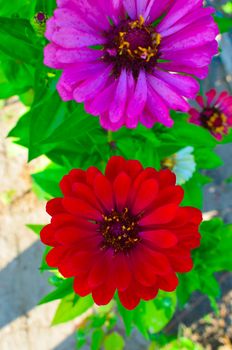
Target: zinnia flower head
[[39, 23], [131, 61], [214, 114], [40, 17], [121, 231], [182, 164]]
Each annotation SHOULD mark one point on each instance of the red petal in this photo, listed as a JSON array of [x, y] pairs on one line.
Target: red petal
[[190, 242], [133, 168], [195, 215], [55, 256], [82, 262], [129, 298], [171, 194], [104, 294], [115, 165], [145, 195], [75, 175], [160, 238], [168, 283], [167, 178], [73, 235], [91, 174], [120, 271], [148, 173], [47, 235], [62, 220], [121, 189], [67, 269], [80, 208], [99, 271], [81, 286], [54, 206], [84, 193], [91, 244], [181, 218], [158, 262], [181, 263], [103, 191], [159, 216], [146, 293], [142, 271]]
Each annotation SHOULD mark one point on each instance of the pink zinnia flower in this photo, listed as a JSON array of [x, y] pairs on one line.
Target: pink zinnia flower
[[126, 59], [215, 113]]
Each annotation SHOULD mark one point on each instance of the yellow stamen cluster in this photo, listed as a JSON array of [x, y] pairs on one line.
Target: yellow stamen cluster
[[211, 122], [169, 162], [144, 53], [119, 230]]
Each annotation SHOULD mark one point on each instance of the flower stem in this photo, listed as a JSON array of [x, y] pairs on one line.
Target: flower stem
[[110, 136]]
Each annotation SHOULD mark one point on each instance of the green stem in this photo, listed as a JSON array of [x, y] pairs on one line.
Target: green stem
[[110, 136]]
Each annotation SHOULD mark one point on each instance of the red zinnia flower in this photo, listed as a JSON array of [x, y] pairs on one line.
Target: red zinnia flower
[[124, 231], [215, 113]]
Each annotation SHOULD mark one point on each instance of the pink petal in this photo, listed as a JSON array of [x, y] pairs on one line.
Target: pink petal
[[138, 100], [185, 85], [118, 104], [171, 98]]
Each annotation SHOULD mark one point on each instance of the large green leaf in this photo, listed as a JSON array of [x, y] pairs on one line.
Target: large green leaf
[[18, 40], [71, 307], [35, 228], [65, 288], [76, 125], [206, 158], [97, 339], [48, 180], [224, 23], [213, 255], [193, 192], [114, 341], [152, 316], [127, 317]]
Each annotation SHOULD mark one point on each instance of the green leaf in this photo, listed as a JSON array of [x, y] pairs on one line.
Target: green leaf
[[191, 135], [75, 126], [193, 192], [48, 179], [210, 286], [15, 77], [224, 23], [114, 341], [45, 116], [35, 228], [65, 288], [206, 158], [127, 316], [68, 309], [44, 266], [212, 256], [149, 158], [21, 131], [188, 283], [97, 339], [18, 40], [81, 338], [152, 316]]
